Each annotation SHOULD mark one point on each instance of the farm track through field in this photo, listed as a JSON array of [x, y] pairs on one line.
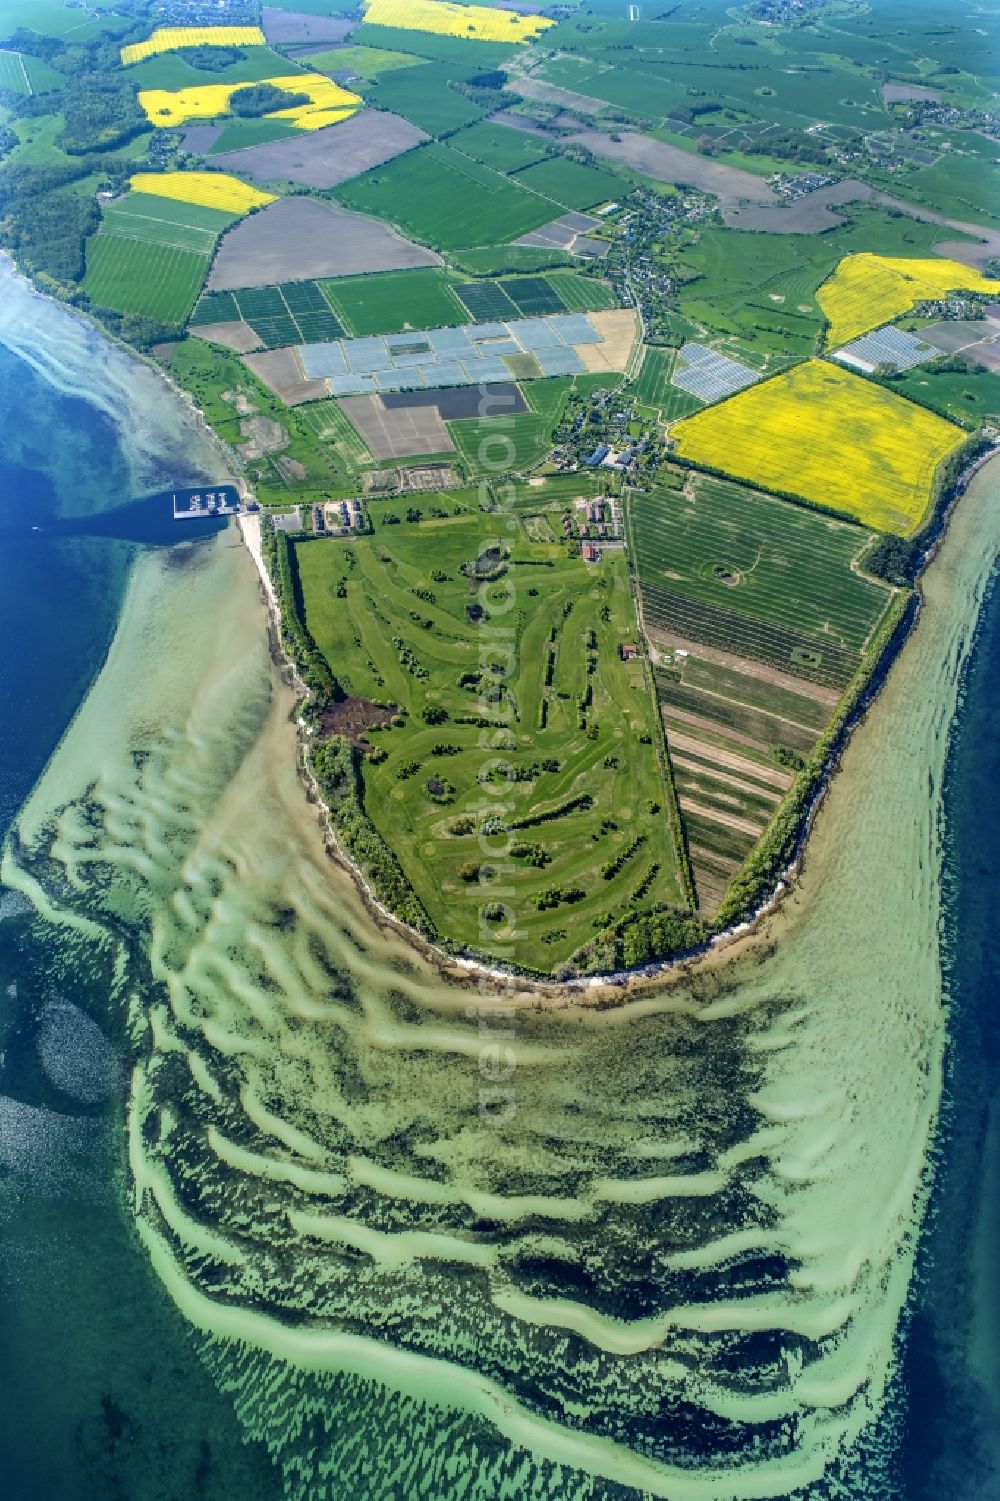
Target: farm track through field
[[746, 635], [168, 236], [715, 814], [787, 566], [699, 752], [697, 722], [701, 772]]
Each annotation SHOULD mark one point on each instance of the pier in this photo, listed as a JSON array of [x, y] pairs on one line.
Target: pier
[[196, 503]]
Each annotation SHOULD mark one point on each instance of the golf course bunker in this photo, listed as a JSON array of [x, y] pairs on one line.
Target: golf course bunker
[[665, 163], [399, 431], [323, 158], [808, 215], [297, 239]]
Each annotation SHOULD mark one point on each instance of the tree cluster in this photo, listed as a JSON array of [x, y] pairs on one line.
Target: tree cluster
[[335, 764], [45, 222], [312, 666], [263, 99]]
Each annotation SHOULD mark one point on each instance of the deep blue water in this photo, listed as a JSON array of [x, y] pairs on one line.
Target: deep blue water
[[68, 527], [952, 1446], [58, 599], [104, 1397]]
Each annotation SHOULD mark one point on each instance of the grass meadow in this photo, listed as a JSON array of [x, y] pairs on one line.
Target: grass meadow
[[390, 613], [447, 200], [390, 301], [162, 221], [136, 276]]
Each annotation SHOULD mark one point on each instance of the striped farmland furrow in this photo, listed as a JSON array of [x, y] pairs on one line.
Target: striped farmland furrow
[[727, 630]]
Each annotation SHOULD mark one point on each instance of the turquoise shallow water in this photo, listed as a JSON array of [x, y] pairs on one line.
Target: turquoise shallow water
[[58, 597], [952, 1365], [201, 853], [104, 1396]]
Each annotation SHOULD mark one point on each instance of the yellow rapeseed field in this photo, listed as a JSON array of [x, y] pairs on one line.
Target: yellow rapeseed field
[[328, 103], [171, 38], [475, 22], [831, 437], [867, 290], [210, 189]]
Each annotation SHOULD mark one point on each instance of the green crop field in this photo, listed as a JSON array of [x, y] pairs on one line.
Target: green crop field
[[238, 134], [390, 301], [135, 276], [570, 183], [422, 94], [13, 75], [170, 70], [49, 17], [581, 294], [762, 287], [21, 73], [654, 388], [464, 58], [161, 221], [638, 94], [960, 183], [400, 631], [967, 396], [327, 420], [448, 199], [368, 62], [752, 555], [515, 442], [491, 260], [500, 146], [798, 91], [445, 199]]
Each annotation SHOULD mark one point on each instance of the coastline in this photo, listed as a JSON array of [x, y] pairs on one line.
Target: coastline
[[721, 948], [233, 472], [602, 989], [236, 901]]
